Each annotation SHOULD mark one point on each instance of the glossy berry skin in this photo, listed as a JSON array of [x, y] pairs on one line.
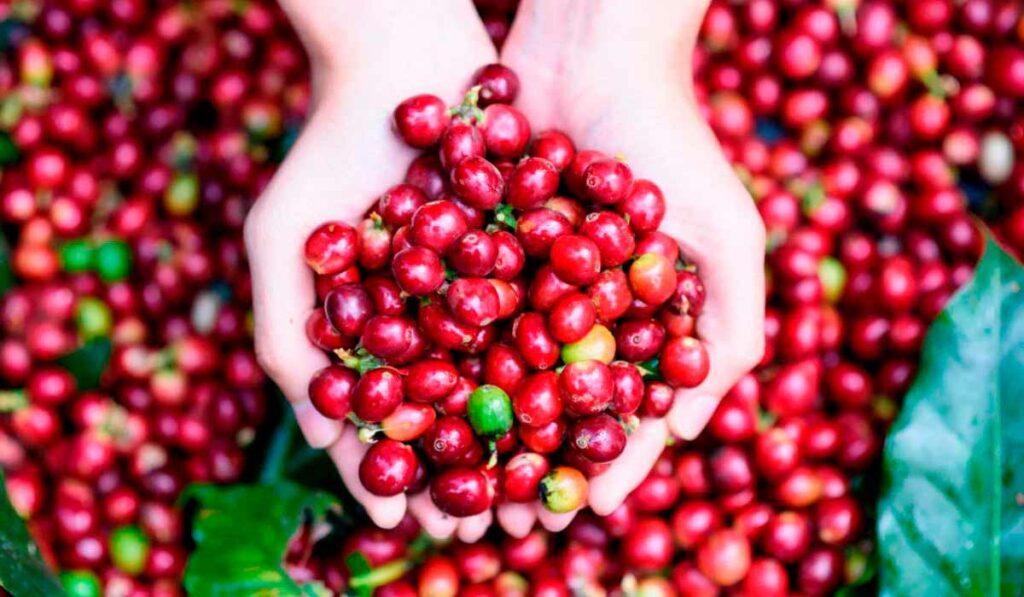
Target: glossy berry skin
[[564, 489], [537, 401], [448, 440], [461, 492], [539, 349], [533, 182], [572, 317], [421, 120], [387, 468], [430, 380], [610, 294], [418, 271], [377, 394], [330, 391], [575, 259], [397, 205], [628, 387], [537, 230], [387, 336], [607, 181], [478, 182], [490, 411], [522, 476], [555, 147], [586, 387], [348, 307], [644, 206], [474, 254], [684, 362], [639, 340], [511, 257], [408, 422], [332, 248], [498, 84], [437, 225], [599, 438], [506, 131], [460, 141], [473, 301], [611, 234], [652, 278]]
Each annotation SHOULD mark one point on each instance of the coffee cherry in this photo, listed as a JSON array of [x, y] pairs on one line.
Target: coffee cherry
[[421, 120], [331, 248], [600, 438], [490, 411], [684, 362], [564, 489], [461, 492], [387, 468]]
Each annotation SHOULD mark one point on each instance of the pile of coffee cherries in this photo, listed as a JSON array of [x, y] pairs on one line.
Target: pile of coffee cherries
[[495, 316], [134, 137]]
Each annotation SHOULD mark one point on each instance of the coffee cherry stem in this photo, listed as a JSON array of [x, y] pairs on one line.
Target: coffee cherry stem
[[492, 447], [846, 12], [629, 423], [935, 84], [503, 215], [649, 369], [379, 576], [367, 433], [360, 360], [469, 110]]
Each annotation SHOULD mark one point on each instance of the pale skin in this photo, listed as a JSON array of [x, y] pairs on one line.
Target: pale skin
[[616, 77]]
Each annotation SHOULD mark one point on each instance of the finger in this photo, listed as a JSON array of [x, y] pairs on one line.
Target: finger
[[437, 524], [283, 298], [517, 518], [347, 453], [609, 489], [318, 430], [472, 529], [552, 521], [691, 412], [732, 329]]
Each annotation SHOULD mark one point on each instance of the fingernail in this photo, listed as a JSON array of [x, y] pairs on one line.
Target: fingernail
[[690, 418]]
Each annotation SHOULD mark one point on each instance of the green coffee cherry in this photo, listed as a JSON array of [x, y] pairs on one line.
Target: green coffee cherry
[[76, 256], [113, 260], [490, 411], [81, 583], [129, 548], [93, 317]]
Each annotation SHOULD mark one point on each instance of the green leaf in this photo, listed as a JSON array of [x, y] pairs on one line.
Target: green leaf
[[951, 515], [22, 570], [88, 362], [241, 534]]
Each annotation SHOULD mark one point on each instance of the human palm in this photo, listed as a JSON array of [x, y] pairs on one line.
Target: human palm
[[617, 80], [343, 160]]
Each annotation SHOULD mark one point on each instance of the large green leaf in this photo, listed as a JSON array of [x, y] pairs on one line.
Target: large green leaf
[[22, 571], [951, 515], [241, 534]]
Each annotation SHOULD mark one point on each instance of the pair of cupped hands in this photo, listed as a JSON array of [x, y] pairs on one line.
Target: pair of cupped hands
[[613, 75]]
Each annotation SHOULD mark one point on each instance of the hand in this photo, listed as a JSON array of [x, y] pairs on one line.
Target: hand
[[616, 77], [366, 58]]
